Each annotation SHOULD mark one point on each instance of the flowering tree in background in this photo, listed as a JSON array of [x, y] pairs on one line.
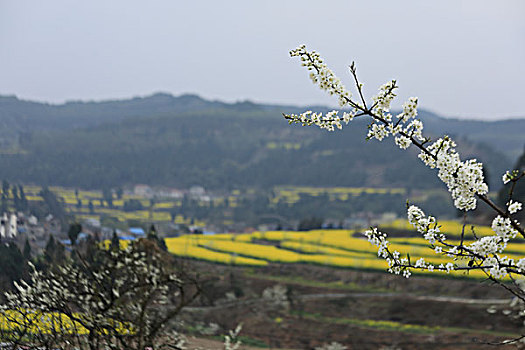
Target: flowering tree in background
[[463, 178], [112, 299]]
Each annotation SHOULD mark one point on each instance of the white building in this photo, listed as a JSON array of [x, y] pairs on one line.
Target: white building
[[8, 226], [143, 191]]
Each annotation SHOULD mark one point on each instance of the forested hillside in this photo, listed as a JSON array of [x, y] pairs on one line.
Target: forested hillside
[[183, 141]]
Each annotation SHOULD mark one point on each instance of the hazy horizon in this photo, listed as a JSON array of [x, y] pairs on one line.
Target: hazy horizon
[[103, 100], [462, 59]]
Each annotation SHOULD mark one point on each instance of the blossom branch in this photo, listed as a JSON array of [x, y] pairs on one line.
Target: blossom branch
[[464, 189]]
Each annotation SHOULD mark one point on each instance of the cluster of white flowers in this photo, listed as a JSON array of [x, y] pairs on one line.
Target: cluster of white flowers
[[378, 131], [396, 264], [485, 251], [384, 97], [332, 346], [510, 176], [329, 121], [503, 228], [322, 75], [464, 179], [513, 207], [406, 127], [520, 265], [493, 267], [231, 341], [409, 109], [486, 246], [426, 225], [378, 239], [276, 296]]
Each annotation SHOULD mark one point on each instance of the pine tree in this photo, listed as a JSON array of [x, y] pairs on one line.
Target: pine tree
[[152, 236], [24, 204], [50, 250], [27, 250], [5, 188], [74, 230], [115, 242], [16, 199]]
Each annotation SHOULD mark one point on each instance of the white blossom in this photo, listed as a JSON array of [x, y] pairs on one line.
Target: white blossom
[[403, 142], [409, 109], [449, 267], [420, 263], [378, 131], [513, 207], [385, 96], [503, 228], [486, 246], [321, 75]]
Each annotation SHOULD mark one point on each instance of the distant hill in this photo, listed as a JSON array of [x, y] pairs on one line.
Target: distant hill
[[506, 136], [186, 140]]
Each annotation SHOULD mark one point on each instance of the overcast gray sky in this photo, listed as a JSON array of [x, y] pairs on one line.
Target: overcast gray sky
[[461, 58]]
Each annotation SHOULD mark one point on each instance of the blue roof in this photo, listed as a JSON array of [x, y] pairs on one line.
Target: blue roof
[[81, 236], [137, 230], [127, 238]]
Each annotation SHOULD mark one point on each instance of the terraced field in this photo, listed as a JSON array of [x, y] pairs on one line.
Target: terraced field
[[77, 204], [292, 194], [336, 248]]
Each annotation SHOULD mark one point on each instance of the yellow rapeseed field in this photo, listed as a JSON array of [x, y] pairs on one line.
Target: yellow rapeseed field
[[337, 248], [38, 322]]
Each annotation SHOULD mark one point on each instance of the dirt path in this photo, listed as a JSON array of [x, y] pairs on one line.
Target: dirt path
[[457, 300], [443, 299]]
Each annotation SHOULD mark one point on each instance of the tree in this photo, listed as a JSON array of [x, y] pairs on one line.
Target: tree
[[114, 299], [5, 188], [132, 205], [5, 205], [27, 250], [115, 241], [54, 253], [49, 251], [464, 180], [54, 206], [119, 192], [16, 199], [13, 265], [73, 232], [311, 223], [24, 204], [154, 237], [107, 195]]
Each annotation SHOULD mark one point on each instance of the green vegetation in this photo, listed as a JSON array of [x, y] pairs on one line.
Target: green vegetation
[[314, 283], [401, 327], [180, 142], [374, 324]]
